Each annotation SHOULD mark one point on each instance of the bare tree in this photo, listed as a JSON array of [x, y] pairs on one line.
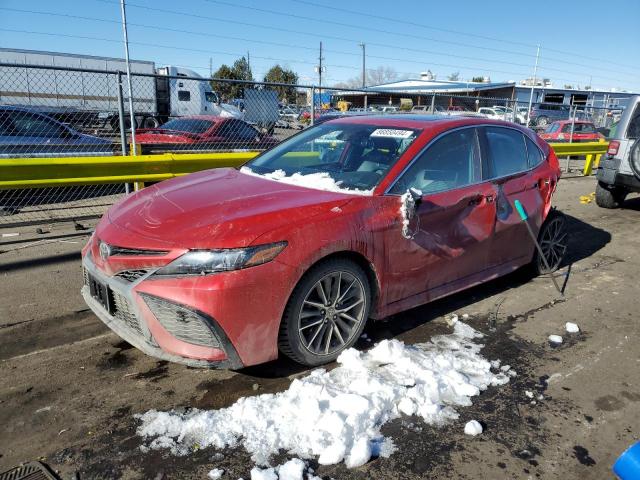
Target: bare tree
[[376, 76], [454, 77]]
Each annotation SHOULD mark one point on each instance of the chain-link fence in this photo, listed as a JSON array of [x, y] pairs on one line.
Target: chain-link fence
[[48, 111]]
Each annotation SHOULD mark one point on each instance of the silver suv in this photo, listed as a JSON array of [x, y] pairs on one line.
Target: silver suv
[[619, 171]]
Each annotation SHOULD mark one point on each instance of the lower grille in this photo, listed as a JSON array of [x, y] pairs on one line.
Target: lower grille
[[124, 312], [182, 323]]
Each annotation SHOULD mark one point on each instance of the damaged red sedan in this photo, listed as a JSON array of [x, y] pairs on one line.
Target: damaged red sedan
[[355, 219]]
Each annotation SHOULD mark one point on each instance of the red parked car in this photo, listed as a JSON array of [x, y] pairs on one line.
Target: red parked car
[[204, 132], [560, 131], [356, 218]]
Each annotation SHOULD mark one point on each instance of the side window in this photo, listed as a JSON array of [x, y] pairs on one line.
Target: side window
[[27, 125], [507, 151], [247, 132], [184, 95], [534, 154], [450, 162], [633, 131]]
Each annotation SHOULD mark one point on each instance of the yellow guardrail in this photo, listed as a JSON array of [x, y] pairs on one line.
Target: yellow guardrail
[[55, 172], [592, 151]]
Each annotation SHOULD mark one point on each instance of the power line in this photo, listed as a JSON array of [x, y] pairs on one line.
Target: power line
[[395, 59], [404, 22]]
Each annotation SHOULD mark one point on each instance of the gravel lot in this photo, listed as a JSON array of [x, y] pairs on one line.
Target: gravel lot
[[69, 388]]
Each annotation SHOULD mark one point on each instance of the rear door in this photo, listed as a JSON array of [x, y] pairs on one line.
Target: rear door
[[449, 239], [514, 176]]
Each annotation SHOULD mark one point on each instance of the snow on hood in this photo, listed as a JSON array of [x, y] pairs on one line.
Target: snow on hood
[[318, 181], [337, 416]]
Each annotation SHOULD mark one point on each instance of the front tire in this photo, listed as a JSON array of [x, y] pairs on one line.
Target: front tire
[[326, 312], [611, 197], [553, 237]]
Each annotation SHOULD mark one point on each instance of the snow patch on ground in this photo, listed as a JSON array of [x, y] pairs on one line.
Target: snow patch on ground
[[571, 327], [294, 469], [215, 474], [473, 428], [555, 339], [336, 416], [318, 181]]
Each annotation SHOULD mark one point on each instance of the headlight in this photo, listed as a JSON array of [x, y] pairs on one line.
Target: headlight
[[204, 262]]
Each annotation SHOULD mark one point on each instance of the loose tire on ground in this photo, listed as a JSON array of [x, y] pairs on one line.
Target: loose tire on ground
[[321, 319], [609, 197], [553, 239]]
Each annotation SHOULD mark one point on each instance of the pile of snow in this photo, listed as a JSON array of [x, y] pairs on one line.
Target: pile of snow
[[572, 327], [555, 339], [473, 428], [319, 181], [215, 474], [294, 469], [336, 416]]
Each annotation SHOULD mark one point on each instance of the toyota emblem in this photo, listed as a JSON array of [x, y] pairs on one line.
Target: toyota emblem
[[105, 250]]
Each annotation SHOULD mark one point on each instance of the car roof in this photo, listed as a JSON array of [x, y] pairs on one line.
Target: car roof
[[575, 121], [411, 120]]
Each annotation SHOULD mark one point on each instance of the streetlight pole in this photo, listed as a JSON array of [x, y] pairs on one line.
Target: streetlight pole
[[364, 76], [533, 84]]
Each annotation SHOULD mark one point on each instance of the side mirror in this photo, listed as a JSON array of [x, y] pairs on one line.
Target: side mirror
[[410, 201], [416, 195]]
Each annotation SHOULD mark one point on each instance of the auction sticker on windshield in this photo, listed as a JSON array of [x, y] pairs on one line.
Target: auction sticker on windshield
[[389, 132]]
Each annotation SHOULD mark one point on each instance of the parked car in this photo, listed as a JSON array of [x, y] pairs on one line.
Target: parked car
[[202, 132], [562, 131], [491, 113], [619, 171], [356, 218], [509, 115], [543, 114], [26, 133]]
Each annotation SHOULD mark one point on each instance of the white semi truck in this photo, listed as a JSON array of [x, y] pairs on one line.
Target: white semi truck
[[83, 90]]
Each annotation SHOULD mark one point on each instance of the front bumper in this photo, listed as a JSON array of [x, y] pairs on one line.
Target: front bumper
[[132, 318]]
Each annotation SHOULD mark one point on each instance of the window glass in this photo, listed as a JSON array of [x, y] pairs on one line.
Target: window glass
[[27, 125], [187, 125], [506, 150], [534, 154], [452, 161], [553, 128], [633, 131], [247, 132], [356, 156], [210, 97], [184, 95]]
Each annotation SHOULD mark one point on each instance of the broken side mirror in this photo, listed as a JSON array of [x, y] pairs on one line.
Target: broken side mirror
[[410, 201]]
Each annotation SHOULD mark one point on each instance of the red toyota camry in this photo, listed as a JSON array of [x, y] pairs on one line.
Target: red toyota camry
[[355, 219]]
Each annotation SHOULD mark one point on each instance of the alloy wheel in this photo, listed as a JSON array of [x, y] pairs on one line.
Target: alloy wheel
[[553, 241], [332, 312]]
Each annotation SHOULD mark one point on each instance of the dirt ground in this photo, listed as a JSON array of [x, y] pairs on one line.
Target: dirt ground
[[69, 389]]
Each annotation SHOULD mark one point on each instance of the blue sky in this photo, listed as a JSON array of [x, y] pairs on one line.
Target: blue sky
[[580, 40]]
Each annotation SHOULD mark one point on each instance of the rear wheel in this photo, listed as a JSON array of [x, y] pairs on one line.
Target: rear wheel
[[542, 121], [553, 239], [326, 313], [609, 197]]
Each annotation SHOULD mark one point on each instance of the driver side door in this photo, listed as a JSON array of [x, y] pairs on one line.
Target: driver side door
[[448, 240]]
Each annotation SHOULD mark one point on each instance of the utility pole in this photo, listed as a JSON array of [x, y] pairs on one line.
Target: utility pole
[[533, 84], [320, 70], [210, 67], [126, 57], [364, 75], [248, 66]]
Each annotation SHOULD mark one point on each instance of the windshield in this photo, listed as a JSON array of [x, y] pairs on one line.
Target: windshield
[[351, 156], [188, 125]]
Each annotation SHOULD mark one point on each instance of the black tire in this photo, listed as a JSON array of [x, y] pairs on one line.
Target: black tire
[[542, 121], [150, 122], [609, 197], [553, 239], [292, 342]]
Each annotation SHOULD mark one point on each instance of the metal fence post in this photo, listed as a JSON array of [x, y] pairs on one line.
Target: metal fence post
[[313, 104], [433, 103], [123, 133]]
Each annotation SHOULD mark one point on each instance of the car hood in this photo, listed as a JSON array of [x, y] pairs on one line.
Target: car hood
[[220, 208]]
